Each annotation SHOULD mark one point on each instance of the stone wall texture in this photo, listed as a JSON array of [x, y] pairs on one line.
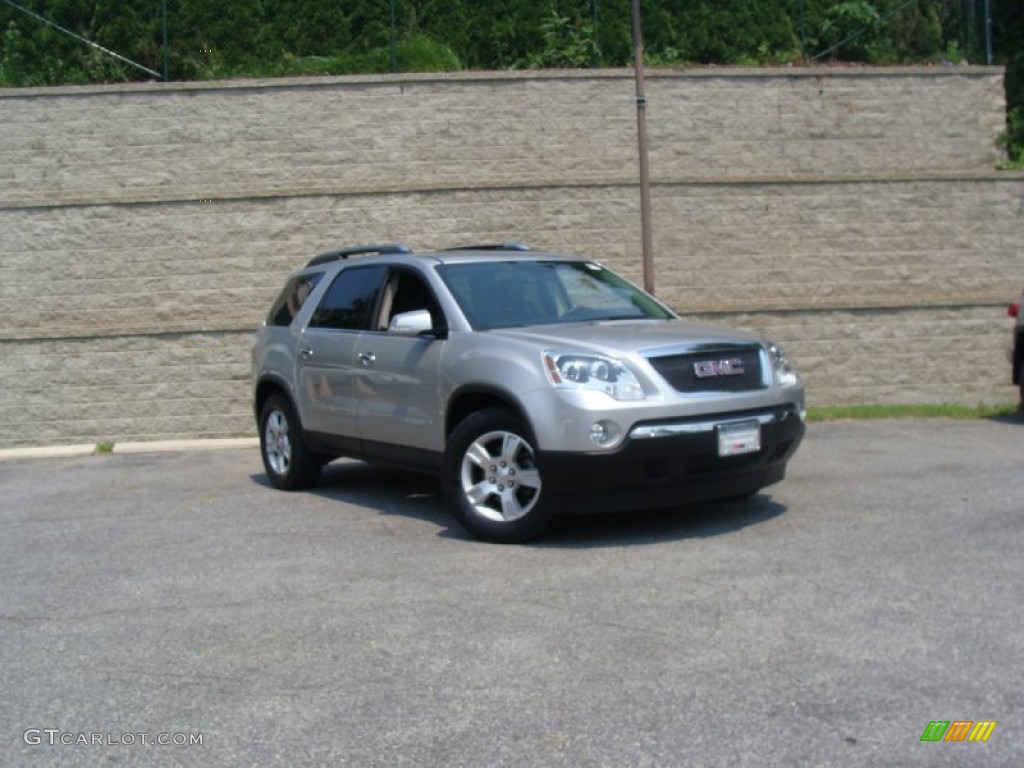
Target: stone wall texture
[[854, 215]]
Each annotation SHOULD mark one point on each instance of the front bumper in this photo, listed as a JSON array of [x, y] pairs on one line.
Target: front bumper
[[666, 464]]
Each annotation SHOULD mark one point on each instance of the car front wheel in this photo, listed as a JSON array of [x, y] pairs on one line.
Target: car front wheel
[[492, 479], [288, 464]]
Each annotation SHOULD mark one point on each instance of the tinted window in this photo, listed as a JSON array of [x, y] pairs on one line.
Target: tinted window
[[349, 300], [292, 298]]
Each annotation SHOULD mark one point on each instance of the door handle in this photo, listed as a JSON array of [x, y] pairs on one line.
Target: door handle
[[367, 358], [305, 353]]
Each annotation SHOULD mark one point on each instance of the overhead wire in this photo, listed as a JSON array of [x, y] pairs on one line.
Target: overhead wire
[[97, 46]]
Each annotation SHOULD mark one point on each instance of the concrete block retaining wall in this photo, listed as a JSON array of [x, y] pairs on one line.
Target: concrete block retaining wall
[[854, 215]]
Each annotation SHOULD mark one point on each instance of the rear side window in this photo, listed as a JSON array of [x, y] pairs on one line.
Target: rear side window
[[292, 298], [348, 302]]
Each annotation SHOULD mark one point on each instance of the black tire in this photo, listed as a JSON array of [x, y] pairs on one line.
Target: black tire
[[500, 501], [290, 466]]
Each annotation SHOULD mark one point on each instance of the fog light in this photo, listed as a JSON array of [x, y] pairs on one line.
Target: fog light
[[604, 433]]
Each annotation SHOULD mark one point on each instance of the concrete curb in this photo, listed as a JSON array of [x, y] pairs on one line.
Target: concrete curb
[[48, 452], [156, 446], [187, 445]]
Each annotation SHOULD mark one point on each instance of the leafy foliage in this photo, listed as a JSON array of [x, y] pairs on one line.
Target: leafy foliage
[[1010, 27], [568, 42], [728, 31], [855, 26]]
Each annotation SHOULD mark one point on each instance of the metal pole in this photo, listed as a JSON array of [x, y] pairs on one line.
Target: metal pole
[[165, 39], [641, 133]]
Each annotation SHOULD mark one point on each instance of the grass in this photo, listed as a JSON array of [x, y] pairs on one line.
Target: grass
[[104, 446], [940, 411]]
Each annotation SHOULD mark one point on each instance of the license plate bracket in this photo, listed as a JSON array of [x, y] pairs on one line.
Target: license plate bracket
[[738, 438]]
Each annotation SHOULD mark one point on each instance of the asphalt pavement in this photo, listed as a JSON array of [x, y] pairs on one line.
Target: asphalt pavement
[[175, 597]]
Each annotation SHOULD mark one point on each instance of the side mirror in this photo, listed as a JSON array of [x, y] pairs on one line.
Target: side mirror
[[415, 323]]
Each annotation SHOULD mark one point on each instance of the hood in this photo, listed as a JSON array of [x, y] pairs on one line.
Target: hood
[[642, 337]]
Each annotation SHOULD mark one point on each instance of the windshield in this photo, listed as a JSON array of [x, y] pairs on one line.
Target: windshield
[[505, 294]]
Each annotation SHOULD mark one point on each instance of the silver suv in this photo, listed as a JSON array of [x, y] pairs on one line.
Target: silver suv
[[534, 384]]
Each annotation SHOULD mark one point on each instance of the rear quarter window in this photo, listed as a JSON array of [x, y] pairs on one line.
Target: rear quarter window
[[292, 298]]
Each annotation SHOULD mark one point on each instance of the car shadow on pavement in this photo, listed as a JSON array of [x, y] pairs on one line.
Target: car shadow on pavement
[[1013, 418], [382, 489], [693, 521], [390, 491]]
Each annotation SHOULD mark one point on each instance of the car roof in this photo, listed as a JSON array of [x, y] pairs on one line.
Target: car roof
[[399, 252], [469, 255]]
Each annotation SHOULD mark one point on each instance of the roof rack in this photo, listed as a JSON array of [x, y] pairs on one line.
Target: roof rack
[[510, 246], [358, 250]]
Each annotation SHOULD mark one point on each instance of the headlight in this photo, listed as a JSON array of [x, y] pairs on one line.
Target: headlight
[[570, 370], [783, 370]]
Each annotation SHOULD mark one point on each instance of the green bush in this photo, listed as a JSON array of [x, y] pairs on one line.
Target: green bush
[[852, 31], [425, 54], [568, 43], [1015, 109], [1014, 139]]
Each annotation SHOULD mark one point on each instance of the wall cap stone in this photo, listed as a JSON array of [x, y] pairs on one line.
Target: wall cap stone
[[421, 78]]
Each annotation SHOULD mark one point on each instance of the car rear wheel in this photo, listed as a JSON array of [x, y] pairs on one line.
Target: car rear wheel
[[289, 465], [492, 478]]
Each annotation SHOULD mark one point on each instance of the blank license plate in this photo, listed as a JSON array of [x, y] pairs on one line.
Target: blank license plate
[[735, 439]]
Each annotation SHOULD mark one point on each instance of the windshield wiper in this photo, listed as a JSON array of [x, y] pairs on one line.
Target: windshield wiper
[[623, 317]]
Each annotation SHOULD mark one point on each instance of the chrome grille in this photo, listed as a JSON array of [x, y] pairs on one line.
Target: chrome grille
[[713, 369]]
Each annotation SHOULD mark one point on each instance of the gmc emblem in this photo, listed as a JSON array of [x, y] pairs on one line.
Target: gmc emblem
[[707, 368]]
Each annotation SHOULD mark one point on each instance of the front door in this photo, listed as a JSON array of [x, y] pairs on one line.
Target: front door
[[397, 379]]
